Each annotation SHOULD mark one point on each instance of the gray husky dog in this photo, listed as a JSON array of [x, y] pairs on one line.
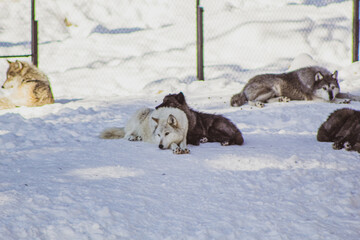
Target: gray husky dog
[[343, 128], [309, 83], [204, 127]]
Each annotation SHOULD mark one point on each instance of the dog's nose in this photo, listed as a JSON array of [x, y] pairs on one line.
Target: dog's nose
[[161, 146]]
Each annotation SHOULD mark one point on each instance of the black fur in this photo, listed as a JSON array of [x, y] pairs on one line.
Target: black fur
[[204, 127], [343, 128]]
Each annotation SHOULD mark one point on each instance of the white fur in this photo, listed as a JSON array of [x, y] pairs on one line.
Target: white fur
[[166, 127]]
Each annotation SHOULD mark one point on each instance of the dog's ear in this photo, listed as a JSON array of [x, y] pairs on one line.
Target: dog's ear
[[172, 121], [334, 75], [9, 62], [155, 120], [318, 76], [180, 97], [19, 64]]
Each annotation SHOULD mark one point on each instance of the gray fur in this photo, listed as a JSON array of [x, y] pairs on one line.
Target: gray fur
[[343, 128], [204, 127], [310, 83]]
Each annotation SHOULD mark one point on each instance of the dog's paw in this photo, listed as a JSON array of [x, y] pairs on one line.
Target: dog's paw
[[348, 146], [185, 151], [225, 143], [177, 150], [259, 104], [345, 101], [337, 145], [135, 138], [132, 138], [284, 99], [204, 140]]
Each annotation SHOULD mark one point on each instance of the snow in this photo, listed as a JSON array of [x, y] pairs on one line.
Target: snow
[[58, 180]]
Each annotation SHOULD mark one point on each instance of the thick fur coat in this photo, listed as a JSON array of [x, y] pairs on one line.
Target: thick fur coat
[[343, 128], [204, 127], [166, 127], [25, 85], [310, 83]]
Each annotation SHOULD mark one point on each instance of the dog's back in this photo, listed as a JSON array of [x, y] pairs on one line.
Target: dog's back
[[341, 126], [28, 85]]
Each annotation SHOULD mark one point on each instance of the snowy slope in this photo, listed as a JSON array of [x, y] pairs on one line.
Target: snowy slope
[[58, 180]]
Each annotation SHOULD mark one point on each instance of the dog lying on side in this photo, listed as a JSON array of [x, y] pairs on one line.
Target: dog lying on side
[[309, 83], [166, 127], [343, 128], [204, 127]]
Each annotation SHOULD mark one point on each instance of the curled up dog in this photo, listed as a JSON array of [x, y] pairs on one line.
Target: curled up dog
[[204, 127], [25, 85], [166, 127], [343, 129]]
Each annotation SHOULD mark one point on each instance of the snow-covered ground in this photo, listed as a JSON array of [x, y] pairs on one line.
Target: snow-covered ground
[[58, 180]]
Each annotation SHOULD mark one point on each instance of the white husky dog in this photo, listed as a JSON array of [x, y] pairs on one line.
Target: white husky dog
[[167, 127]]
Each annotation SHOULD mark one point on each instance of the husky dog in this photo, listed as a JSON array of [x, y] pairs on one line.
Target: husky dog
[[309, 83], [343, 128], [167, 127], [204, 127], [25, 85]]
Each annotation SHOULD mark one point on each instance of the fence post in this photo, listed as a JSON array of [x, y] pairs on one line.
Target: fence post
[[356, 31], [199, 41], [34, 35]]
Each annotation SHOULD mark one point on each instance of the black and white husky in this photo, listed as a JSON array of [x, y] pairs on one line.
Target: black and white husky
[[343, 128], [309, 83], [204, 127]]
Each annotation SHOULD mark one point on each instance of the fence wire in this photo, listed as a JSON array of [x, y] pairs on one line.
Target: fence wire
[[239, 35]]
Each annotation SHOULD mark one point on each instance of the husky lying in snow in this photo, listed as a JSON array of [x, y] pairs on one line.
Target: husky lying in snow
[[167, 127], [204, 127], [309, 83], [343, 128]]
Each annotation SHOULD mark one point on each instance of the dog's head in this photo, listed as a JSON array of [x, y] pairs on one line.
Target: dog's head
[[167, 131], [15, 73], [175, 101], [326, 86]]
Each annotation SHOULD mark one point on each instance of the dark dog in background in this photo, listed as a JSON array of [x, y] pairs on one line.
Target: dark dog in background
[[343, 128], [204, 127]]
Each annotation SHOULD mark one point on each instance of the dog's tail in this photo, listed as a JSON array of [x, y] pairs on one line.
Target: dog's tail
[[112, 133], [348, 96], [238, 99]]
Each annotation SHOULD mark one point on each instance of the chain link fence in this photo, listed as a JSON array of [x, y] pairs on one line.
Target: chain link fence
[[268, 35], [159, 37]]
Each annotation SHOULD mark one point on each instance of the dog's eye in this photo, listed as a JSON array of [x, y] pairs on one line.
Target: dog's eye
[[332, 87], [158, 135], [11, 74], [167, 133], [325, 88]]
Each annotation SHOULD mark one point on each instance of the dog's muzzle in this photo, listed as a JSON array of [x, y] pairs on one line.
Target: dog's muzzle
[[331, 95]]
